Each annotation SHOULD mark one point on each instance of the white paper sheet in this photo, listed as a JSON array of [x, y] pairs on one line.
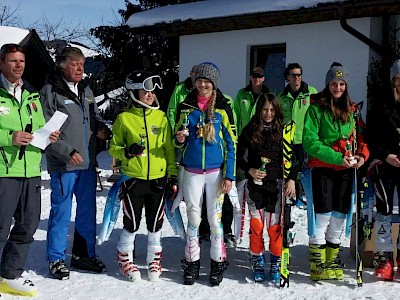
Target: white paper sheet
[[41, 136]]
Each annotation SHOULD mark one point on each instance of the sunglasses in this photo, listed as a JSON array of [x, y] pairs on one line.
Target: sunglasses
[[149, 84], [256, 75], [295, 75], [10, 48]]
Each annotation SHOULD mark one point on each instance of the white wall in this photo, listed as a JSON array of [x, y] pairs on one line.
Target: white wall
[[315, 46]]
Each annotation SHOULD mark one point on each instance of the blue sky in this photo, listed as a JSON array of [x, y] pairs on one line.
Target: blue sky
[[91, 13]]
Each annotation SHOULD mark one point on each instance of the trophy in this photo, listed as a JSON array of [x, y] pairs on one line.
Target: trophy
[[264, 162], [185, 122], [142, 143], [352, 159], [200, 128]]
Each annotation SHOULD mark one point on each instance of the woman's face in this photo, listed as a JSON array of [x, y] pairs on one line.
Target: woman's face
[[396, 83], [146, 97], [204, 87], [268, 112], [337, 88]]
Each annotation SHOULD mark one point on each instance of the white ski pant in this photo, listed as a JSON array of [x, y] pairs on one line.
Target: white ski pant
[[193, 190], [329, 228]]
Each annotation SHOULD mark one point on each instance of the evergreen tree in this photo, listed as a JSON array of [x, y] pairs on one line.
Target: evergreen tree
[[128, 52]]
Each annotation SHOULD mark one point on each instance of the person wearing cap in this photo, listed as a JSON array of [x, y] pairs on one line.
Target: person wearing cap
[[142, 140], [71, 162], [247, 98], [20, 170], [384, 142], [333, 140], [206, 133], [295, 100]]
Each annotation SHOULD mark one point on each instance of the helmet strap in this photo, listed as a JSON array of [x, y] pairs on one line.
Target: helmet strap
[[142, 103]]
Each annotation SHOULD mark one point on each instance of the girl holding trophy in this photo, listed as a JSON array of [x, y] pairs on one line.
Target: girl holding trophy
[[260, 155], [333, 139]]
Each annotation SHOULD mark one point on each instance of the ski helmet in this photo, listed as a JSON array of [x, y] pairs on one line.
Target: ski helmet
[[142, 80]]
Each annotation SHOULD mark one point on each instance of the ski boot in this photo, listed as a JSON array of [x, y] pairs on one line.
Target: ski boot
[[334, 265], [274, 273], [383, 262], [191, 271], [154, 265], [317, 257], [18, 287], [127, 267], [258, 267], [217, 270]]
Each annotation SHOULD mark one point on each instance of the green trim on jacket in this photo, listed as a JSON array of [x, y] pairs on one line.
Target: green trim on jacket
[[14, 116], [159, 154]]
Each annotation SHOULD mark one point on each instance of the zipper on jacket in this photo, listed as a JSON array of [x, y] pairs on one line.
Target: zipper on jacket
[[4, 158], [85, 121], [147, 148]]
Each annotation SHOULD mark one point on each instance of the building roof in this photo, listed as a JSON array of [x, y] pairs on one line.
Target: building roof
[[38, 61], [223, 15]]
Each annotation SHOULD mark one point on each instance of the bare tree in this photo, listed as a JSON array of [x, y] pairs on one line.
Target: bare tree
[[9, 16]]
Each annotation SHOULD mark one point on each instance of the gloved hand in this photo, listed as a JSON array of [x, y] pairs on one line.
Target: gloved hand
[[171, 188], [133, 150]]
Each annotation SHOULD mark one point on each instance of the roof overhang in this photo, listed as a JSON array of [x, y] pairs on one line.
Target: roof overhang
[[322, 12]]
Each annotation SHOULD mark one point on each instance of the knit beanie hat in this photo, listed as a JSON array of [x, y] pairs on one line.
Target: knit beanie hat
[[209, 71], [395, 69], [337, 71]]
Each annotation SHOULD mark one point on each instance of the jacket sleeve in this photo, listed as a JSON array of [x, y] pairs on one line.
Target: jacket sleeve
[[172, 169], [312, 143], [61, 148], [172, 105], [362, 148], [230, 147], [117, 142]]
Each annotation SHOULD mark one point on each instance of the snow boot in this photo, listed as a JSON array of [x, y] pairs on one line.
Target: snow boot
[[18, 286], [383, 262], [258, 267], [90, 264], [217, 270], [317, 257], [127, 267], [334, 265], [274, 273], [59, 269], [191, 271]]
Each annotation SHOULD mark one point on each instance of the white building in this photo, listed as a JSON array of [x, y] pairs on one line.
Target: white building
[[237, 35]]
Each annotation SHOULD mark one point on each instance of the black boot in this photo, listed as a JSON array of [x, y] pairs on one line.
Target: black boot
[[217, 269], [191, 271]]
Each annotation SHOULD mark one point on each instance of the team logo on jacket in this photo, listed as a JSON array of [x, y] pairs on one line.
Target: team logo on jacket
[[89, 99], [68, 101], [33, 104], [244, 101], [4, 110], [154, 129]]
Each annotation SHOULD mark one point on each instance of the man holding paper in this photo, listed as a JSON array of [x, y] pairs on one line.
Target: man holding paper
[[20, 169], [71, 162]]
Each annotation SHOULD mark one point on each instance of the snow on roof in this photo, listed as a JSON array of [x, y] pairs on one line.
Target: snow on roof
[[12, 35], [86, 51], [215, 8]]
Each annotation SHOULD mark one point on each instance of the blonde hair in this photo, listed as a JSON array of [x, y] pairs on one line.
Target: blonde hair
[[396, 94], [209, 130]]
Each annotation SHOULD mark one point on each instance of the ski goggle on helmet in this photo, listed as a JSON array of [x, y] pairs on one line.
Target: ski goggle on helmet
[[143, 80]]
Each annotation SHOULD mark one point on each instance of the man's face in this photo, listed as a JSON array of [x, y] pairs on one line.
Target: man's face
[[73, 70], [13, 66]]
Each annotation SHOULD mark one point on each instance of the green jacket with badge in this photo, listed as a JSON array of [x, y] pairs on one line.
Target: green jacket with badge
[[244, 106], [14, 116], [295, 109]]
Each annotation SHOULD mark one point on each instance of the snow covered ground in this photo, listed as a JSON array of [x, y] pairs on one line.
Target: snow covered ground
[[237, 283]]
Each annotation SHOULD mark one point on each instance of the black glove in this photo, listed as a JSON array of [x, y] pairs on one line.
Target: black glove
[[133, 150], [171, 188]]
